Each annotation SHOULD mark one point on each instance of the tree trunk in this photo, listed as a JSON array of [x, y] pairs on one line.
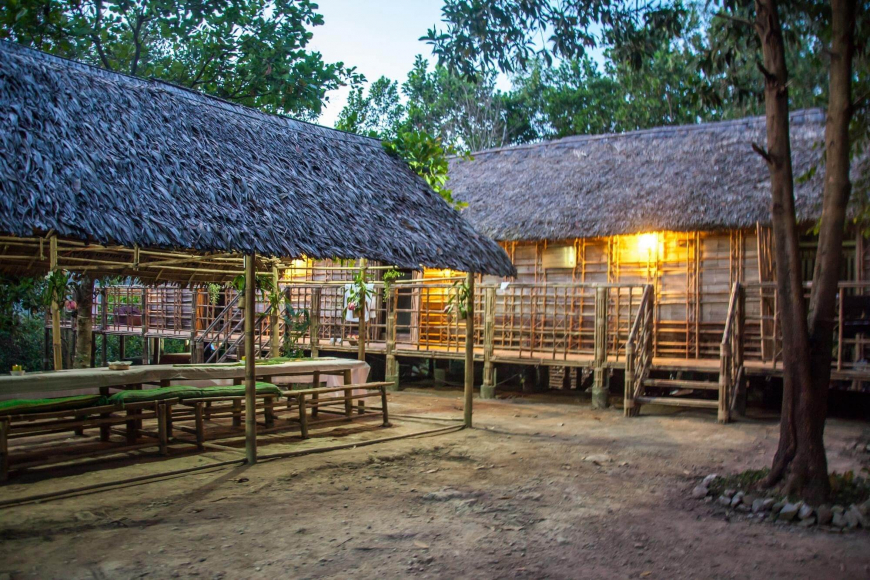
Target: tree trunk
[[800, 460], [809, 471], [792, 310], [84, 296]]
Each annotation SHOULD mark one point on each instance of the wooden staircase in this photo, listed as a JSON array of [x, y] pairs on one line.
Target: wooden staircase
[[676, 391], [682, 385]]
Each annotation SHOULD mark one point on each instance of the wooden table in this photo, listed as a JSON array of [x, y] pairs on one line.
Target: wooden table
[[100, 380]]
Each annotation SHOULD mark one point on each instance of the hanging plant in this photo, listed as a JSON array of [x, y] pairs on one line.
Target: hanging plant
[[265, 283], [357, 294], [214, 293], [389, 277], [458, 302]]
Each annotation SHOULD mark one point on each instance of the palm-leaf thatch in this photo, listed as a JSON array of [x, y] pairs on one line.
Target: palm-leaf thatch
[[111, 159], [694, 177]]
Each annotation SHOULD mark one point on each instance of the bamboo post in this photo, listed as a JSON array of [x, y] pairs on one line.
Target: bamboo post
[[361, 308], [56, 344], [303, 418], [104, 323], [628, 404], [250, 358], [724, 381], [392, 371], [146, 347], [384, 412], [599, 383], [469, 350], [314, 323], [740, 344], [487, 389], [274, 335]]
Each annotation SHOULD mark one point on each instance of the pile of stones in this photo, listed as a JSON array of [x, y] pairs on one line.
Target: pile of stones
[[781, 510]]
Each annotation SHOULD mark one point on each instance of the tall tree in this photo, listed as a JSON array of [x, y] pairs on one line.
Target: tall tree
[[252, 52], [503, 32]]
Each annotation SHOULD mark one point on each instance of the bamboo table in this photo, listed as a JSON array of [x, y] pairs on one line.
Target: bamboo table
[[89, 381]]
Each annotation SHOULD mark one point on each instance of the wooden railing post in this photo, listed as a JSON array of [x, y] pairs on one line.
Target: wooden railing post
[[469, 350], [361, 307], [146, 348], [724, 382], [599, 381], [487, 389], [56, 344], [628, 403], [392, 372], [314, 322], [274, 334], [104, 324]]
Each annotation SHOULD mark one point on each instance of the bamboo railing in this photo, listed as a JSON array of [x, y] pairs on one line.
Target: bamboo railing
[[762, 340], [638, 351], [731, 353]]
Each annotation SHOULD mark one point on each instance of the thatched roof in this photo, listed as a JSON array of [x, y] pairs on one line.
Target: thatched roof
[[694, 177], [106, 158]]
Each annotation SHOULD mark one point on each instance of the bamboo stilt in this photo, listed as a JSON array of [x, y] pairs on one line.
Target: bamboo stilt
[[250, 360], [469, 351], [392, 370], [361, 344], [487, 389]]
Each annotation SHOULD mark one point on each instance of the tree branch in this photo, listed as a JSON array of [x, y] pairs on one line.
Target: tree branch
[[735, 19], [137, 42], [764, 154], [95, 35]]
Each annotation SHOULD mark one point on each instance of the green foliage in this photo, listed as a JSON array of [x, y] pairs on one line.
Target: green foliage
[[214, 293], [296, 324], [427, 157], [21, 343], [389, 277], [458, 302], [376, 114], [252, 52], [358, 292], [508, 33], [56, 287], [19, 297]]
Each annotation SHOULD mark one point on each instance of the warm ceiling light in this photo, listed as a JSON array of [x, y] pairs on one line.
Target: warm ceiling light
[[647, 243]]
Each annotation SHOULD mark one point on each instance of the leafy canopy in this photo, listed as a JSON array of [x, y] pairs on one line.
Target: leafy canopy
[[253, 52]]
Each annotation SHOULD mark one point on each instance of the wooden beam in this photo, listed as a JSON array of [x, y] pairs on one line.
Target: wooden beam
[[361, 308], [56, 343], [469, 350], [250, 360]]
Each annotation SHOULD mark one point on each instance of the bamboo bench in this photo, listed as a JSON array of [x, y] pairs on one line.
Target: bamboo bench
[[310, 400], [103, 417]]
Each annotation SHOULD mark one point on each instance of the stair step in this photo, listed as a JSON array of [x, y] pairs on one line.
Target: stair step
[[681, 384], [678, 402], [688, 367]]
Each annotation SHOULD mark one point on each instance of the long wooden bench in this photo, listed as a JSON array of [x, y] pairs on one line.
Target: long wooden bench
[[311, 400], [14, 426], [305, 410]]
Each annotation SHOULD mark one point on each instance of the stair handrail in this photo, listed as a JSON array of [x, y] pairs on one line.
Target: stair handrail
[[201, 337], [231, 347], [638, 351], [731, 354]]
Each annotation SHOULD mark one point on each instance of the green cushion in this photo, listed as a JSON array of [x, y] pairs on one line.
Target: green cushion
[[158, 394], [239, 390], [22, 406]]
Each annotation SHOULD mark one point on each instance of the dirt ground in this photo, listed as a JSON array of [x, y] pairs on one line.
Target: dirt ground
[[543, 487]]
